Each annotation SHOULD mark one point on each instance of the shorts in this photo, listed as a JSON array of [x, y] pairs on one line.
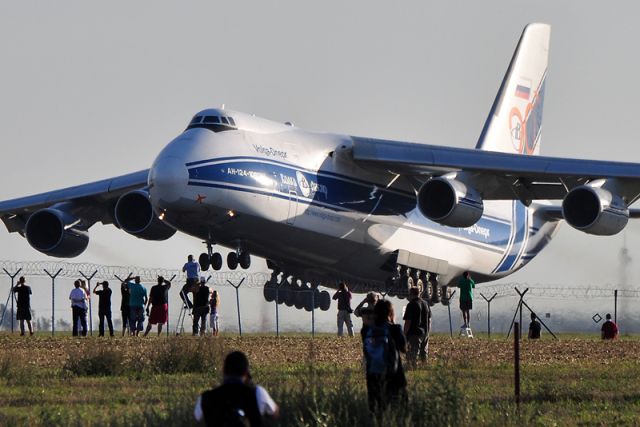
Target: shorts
[[125, 316], [159, 314], [23, 313], [466, 304]]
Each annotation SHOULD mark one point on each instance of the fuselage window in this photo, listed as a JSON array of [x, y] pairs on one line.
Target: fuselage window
[[196, 119], [224, 120], [211, 119], [231, 121]]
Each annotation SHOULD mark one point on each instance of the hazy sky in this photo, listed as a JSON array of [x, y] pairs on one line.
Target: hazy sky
[[91, 90]]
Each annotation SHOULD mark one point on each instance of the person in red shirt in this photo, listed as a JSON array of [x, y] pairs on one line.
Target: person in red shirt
[[609, 329]]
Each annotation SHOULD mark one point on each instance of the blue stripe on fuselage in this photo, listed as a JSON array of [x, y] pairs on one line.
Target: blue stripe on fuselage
[[519, 235], [335, 192]]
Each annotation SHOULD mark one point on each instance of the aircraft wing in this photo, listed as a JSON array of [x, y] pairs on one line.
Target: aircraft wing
[[91, 202], [500, 176]]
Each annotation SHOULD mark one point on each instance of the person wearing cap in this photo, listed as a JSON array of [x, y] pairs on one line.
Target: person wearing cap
[[137, 300], [237, 401], [201, 307], [104, 307], [159, 302]]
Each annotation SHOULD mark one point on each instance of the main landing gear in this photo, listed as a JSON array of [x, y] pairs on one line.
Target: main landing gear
[[430, 289], [214, 259], [293, 292]]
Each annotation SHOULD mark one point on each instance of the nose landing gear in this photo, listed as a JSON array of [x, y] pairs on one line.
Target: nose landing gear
[[215, 261]]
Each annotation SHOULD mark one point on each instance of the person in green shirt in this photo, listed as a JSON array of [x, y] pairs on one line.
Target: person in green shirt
[[466, 285]]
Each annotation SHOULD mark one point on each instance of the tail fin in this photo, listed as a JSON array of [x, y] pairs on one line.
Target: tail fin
[[515, 121]]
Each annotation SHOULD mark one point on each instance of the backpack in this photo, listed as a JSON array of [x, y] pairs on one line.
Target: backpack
[[380, 351]]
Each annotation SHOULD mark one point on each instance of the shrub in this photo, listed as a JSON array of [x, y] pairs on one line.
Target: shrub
[[95, 361]]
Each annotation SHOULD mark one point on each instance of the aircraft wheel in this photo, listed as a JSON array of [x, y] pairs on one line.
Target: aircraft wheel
[[435, 291], [289, 296], [325, 301], [282, 291], [232, 260], [269, 291], [204, 261], [302, 294], [316, 298], [245, 260], [216, 261]]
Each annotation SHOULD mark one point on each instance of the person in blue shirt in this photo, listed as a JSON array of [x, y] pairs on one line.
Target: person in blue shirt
[[137, 301]]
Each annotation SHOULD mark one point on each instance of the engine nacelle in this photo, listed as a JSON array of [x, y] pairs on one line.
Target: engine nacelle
[[52, 232], [134, 214], [450, 202], [595, 211]]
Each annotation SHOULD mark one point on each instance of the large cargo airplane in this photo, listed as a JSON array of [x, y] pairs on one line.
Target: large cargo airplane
[[322, 207]]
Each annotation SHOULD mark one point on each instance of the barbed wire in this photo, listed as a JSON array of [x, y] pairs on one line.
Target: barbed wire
[[104, 272], [258, 279]]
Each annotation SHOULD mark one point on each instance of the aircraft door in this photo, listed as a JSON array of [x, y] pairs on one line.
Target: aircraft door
[[293, 207]]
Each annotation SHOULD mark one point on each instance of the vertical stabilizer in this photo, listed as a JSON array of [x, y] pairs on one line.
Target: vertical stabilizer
[[515, 122]]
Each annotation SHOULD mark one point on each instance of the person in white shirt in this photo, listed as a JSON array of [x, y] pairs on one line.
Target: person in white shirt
[[78, 297], [237, 400]]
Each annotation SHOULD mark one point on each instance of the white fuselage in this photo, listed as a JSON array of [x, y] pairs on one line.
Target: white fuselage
[[297, 199]]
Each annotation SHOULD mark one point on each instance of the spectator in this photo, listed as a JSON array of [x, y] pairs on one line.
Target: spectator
[[23, 303], [343, 295], [417, 324], [124, 306], [466, 285], [214, 303], [382, 344], [159, 302], [78, 297], [104, 307], [137, 301], [201, 307], [609, 329], [192, 269], [368, 302], [534, 328], [237, 401]]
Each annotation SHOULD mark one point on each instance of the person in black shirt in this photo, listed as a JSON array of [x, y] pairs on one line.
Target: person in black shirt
[[23, 296], [201, 307], [124, 306], [417, 319], [387, 385], [104, 307], [237, 401], [534, 328], [159, 302]]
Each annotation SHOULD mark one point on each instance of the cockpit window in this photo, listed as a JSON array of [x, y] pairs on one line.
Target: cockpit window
[[213, 123]]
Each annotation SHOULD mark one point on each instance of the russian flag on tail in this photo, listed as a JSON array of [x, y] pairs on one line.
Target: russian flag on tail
[[523, 92]]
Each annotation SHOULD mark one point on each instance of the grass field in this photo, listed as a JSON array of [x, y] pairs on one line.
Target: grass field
[[577, 380]]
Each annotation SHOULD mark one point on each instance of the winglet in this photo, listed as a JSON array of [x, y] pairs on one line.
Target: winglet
[[515, 121]]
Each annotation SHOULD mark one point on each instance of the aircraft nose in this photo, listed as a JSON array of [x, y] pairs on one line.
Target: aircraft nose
[[168, 180]]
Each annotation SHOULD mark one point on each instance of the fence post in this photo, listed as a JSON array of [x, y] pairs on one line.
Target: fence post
[[488, 312], [238, 302], [516, 355], [170, 280], [53, 299], [449, 310], [88, 279], [313, 313], [12, 296], [615, 305]]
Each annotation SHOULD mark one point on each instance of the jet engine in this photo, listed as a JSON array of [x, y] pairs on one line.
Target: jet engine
[[595, 211], [450, 202], [56, 233], [135, 215]]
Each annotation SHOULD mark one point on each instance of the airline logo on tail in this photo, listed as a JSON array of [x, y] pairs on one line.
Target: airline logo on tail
[[525, 127]]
